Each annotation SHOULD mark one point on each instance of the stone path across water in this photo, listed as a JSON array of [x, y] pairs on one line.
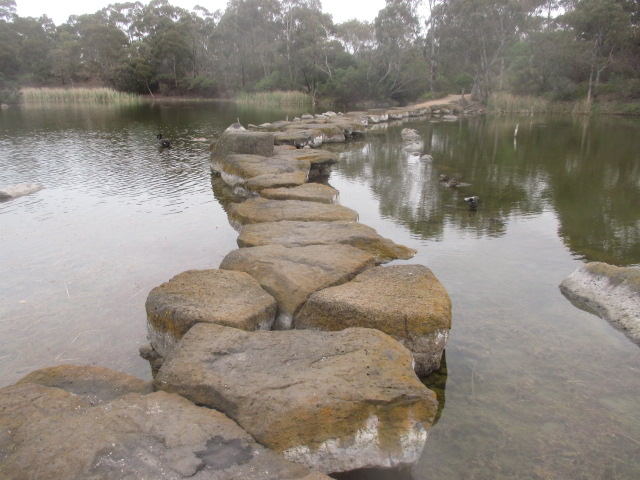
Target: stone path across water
[[324, 395]]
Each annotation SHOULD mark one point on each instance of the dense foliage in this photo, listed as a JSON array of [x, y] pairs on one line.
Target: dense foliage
[[559, 49]]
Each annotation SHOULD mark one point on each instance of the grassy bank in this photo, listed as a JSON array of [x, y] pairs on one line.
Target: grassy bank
[[508, 103], [281, 97], [76, 95]]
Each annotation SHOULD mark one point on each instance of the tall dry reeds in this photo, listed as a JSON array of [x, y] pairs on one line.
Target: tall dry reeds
[[279, 97], [507, 103], [76, 95]]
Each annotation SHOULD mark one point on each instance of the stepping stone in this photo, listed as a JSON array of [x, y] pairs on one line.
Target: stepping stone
[[320, 161], [243, 142], [54, 434], [230, 298], [273, 181], [260, 210], [290, 275], [331, 401], [404, 301], [237, 169], [298, 234], [308, 192]]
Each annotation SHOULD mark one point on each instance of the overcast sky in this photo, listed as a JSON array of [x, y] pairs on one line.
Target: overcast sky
[[60, 10]]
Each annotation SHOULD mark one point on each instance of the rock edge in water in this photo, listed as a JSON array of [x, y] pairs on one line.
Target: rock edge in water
[[611, 292]]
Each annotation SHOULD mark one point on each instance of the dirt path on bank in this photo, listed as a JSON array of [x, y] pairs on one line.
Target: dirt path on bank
[[439, 101]]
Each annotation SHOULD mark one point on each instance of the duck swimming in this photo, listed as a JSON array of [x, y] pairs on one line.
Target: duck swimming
[[163, 142], [473, 202]]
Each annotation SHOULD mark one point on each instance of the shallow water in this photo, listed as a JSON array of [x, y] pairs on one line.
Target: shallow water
[[534, 387]]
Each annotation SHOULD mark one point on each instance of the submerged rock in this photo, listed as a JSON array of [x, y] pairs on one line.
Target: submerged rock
[[290, 275], [611, 292], [299, 234], [230, 298], [339, 401], [259, 210], [19, 189], [52, 433], [404, 301]]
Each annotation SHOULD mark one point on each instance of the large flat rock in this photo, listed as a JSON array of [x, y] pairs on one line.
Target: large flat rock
[[230, 298], [308, 192], [238, 169], [320, 161], [243, 142], [298, 234], [274, 181], [51, 433], [404, 301], [332, 401], [611, 292], [260, 210], [290, 275]]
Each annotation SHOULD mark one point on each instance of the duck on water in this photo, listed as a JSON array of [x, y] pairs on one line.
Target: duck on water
[[164, 143]]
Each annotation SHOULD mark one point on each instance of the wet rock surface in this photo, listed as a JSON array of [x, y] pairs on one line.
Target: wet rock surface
[[260, 210], [332, 401], [298, 234], [290, 275], [611, 292], [52, 433], [308, 192], [230, 298], [94, 385], [404, 301]]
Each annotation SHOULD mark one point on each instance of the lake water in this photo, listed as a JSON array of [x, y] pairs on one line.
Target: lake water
[[533, 388]]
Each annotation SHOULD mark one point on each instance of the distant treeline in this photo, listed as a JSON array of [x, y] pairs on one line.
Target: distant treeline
[[415, 49]]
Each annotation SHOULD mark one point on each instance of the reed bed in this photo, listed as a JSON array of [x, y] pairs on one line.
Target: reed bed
[[77, 95], [508, 103], [279, 97]]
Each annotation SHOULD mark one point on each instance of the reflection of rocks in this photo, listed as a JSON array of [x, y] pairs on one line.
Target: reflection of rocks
[[410, 135], [412, 141], [50, 432], [610, 292], [404, 301], [290, 275], [259, 210], [234, 299], [298, 234], [339, 400]]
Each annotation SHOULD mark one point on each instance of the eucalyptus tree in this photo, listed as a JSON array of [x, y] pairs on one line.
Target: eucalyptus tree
[[308, 45], [397, 31], [37, 35], [247, 35], [7, 10], [477, 34], [603, 28]]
